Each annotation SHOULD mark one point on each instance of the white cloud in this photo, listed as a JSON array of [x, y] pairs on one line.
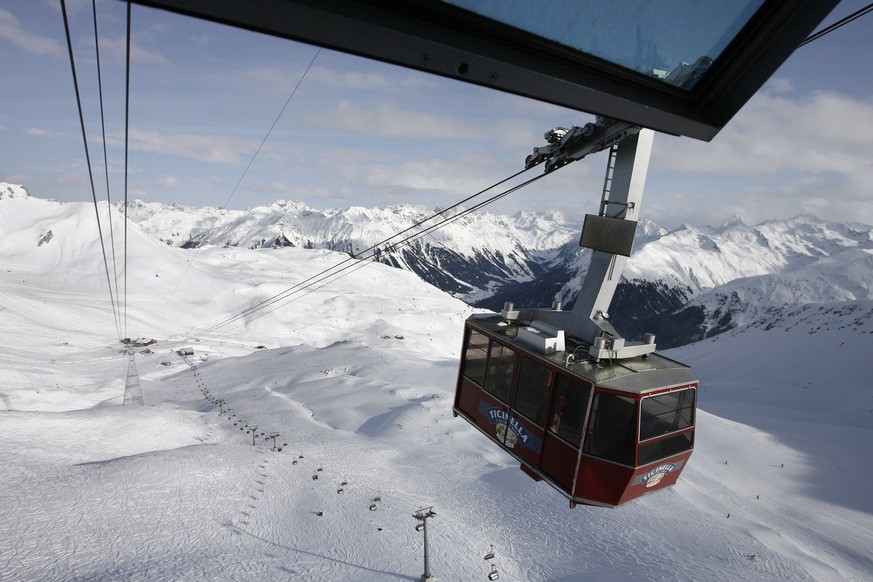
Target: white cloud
[[781, 156], [117, 49], [164, 182], [429, 175], [70, 179], [284, 79], [271, 78], [13, 31], [819, 133], [394, 122], [218, 149], [347, 79], [21, 179], [778, 85], [37, 132]]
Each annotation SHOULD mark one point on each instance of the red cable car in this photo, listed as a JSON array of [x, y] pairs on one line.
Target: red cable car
[[601, 419], [602, 433]]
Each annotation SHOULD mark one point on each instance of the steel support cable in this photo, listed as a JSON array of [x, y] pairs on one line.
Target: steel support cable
[[384, 242], [126, 150], [88, 162], [337, 268], [335, 273], [303, 293], [333, 277], [330, 277], [838, 24], [105, 156], [364, 261], [251, 161]]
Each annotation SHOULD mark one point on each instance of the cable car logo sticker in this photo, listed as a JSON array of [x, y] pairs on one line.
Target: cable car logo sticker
[[509, 430], [654, 476]]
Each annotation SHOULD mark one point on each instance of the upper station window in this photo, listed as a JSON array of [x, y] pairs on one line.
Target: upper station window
[[612, 431], [671, 40], [569, 407], [501, 366], [532, 393], [475, 356], [666, 413]]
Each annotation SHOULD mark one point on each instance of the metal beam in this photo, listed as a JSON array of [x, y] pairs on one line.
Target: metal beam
[[439, 38]]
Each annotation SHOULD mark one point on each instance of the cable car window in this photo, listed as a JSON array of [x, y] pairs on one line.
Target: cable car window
[[667, 447], [612, 428], [501, 365], [475, 356], [569, 406], [532, 393], [666, 413]]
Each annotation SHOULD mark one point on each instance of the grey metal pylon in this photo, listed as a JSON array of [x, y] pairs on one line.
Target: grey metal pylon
[[132, 389]]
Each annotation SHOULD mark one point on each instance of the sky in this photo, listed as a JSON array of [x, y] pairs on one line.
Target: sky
[[362, 133]]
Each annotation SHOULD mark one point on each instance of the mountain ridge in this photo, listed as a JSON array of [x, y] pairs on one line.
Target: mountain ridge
[[683, 284]]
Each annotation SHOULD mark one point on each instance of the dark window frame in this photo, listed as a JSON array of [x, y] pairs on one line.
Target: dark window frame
[[648, 399], [627, 441], [658, 444], [502, 377], [586, 403], [541, 423], [468, 345]]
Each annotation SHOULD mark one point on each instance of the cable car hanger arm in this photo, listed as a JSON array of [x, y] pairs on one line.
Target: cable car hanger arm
[[609, 236]]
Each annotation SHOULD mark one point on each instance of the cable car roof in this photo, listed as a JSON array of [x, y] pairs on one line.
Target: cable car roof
[[638, 375], [683, 67]]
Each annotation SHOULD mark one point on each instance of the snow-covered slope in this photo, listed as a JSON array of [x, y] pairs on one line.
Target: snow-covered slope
[[357, 379]]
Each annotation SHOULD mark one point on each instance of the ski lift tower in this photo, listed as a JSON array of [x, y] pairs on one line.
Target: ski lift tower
[[422, 516]]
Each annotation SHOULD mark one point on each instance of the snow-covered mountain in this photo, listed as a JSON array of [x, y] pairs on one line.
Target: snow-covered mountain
[[468, 256], [357, 379], [682, 284], [716, 279]]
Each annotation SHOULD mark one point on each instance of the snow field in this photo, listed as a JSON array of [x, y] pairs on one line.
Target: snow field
[[358, 378]]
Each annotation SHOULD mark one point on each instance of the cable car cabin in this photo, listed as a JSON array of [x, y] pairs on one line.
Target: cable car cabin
[[602, 433]]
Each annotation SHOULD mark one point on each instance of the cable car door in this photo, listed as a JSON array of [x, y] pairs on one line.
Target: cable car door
[[528, 409]]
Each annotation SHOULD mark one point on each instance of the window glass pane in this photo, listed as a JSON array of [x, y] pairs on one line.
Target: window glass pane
[[666, 413], [569, 407], [657, 450], [475, 355], [612, 428], [664, 39], [532, 394], [501, 365]]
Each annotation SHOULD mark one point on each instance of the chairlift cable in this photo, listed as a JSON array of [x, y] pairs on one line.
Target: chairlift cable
[[405, 242], [105, 155], [305, 291], [335, 273], [302, 284], [838, 24], [372, 248], [126, 150], [88, 161]]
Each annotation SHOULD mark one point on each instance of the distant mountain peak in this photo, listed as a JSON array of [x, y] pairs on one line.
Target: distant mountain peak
[[13, 191]]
